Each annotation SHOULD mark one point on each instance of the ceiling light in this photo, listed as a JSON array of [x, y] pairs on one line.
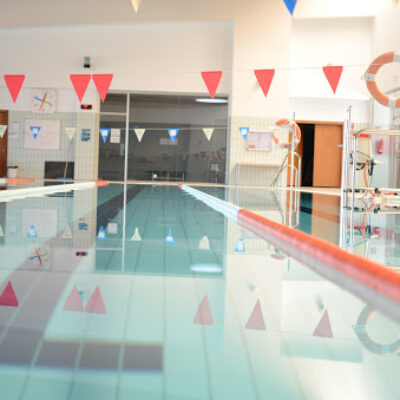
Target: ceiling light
[[206, 268], [211, 101]]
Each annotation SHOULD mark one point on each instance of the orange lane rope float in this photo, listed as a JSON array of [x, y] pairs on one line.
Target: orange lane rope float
[[295, 131], [370, 78]]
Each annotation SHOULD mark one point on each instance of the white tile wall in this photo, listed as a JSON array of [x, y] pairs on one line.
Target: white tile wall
[[31, 162]]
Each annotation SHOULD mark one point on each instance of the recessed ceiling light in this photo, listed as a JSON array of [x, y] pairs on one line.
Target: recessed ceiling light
[[206, 268], [212, 101]]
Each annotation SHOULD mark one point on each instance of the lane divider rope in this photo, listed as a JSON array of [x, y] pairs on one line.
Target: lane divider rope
[[309, 250]]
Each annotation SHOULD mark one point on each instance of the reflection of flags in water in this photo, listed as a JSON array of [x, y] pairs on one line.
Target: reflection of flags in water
[[102, 233], [256, 320], [136, 236], [32, 233], [95, 305], [324, 328], [8, 297], [204, 243], [169, 240], [240, 248], [204, 314]]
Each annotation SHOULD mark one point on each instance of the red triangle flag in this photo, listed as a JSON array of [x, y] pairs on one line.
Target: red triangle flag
[[80, 83], [333, 74], [256, 320], [103, 83], [8, 297], [324, 328], [265, 77], [74, 301], [212, 80], [96, 304], [204, 314], [14, 84]]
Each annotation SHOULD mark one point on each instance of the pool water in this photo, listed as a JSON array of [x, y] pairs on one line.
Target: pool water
[[126, 291]]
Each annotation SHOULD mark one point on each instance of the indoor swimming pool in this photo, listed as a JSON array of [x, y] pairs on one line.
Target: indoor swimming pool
[[146, 292]]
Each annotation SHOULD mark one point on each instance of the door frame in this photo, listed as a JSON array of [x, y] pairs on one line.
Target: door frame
[[310, 122], [5, 139]]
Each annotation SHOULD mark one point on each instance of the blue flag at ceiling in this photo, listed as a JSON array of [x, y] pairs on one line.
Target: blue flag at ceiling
[[290, 4]]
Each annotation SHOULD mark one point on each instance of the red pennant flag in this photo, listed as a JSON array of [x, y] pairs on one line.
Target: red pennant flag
[[8, 297], [333, 74], [102, 83], [212, 80], [265, 77], [14, 84], [80, 83], [204, 314], [324, 328], [95, 304], [74, 301], [256, 320]]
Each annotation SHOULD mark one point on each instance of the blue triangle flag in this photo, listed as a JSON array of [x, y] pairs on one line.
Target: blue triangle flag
[[173, 133], [244, 131], [290, 4], [102, 233], [240, 248], [32, 233], [35, 131], [169, 240], [104, 134]]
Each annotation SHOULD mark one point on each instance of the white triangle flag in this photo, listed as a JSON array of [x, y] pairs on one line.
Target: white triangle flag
[[136, 236], [204, 243], [3, 129], [208, 132], [136, 4], [67, 233], [1, 231], [140, 133], [70, 133]]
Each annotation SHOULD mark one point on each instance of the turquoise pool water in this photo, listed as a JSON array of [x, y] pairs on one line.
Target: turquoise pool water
[[127, 292]]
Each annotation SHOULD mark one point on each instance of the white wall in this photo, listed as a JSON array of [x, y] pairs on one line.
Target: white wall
[[318, 42], [386, 38], [337, 8], [165, 57]]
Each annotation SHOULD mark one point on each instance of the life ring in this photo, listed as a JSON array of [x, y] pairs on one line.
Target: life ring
[[293, 128], [370, 77], [373, 347]]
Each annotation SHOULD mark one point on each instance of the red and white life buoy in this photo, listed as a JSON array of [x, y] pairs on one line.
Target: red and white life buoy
[[370, 78], [293, 128]]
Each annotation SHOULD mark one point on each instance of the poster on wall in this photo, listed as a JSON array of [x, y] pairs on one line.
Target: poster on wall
[[115, 136], [85, 135], [42, 134]]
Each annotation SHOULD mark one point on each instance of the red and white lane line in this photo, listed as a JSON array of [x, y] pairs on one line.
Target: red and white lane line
[[38, 191], [321, 256], [9, 181]]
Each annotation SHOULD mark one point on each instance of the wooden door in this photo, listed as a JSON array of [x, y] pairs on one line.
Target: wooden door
[[328, 155], [3, 144]]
